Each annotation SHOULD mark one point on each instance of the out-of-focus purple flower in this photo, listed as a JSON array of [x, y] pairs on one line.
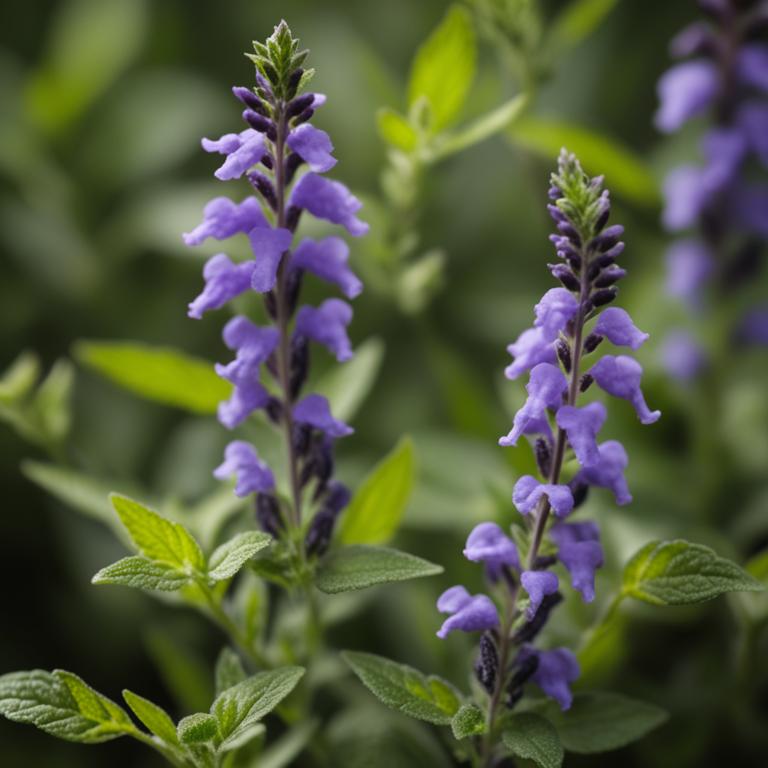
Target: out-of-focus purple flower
[[556, 308], [315, 410], [545, 390], [327, 259], [608, 472], [329, 200], [682, 356], [528, 490], [689, 266], [684, 197], [487, 543], [582, 425], [268, 246], [538, 584], [555, 671], [470, 613], [580, 551], [619, 375], [327, 325], [616, 325], [313, 146], [530, 349], [253, 475], [753, 66], [222, 218], [223, 281], [752, 119], [754, 327], [750, 208], [685, 90], [243, 151]]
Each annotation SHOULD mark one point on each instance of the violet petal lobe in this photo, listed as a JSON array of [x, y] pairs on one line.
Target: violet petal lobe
[[453, 599], [689, 266], [538, 584], [682, 356], [619, 375], [582, 425], [329, 200], [556, 670], [224, 280], [753, 66], [580, 551], [242, 460], [315, 411], [616, 325], [327, 259], [556, 308], [476, 614], [685, 90], [223, 218], [487, 543], [608, 472], [268, 246], [528, 491], [313, 146], [530, 349], [242, 155], [327, 325]]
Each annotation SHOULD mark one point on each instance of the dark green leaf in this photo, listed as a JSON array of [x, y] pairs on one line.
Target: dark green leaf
[[231, 556], [468, 721], [229, 670], [198, 728], [533, 738]]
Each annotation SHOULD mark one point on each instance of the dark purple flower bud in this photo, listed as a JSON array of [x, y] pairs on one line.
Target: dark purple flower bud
[[543, 562], [319, 464], [554, 193], [565, 276], [585, 382], [570, 232], [580, 492], [293, 288], [607, 238], [528, 632], [267, 161], [299, 365], [694, 40], [292, 217], [337, 496], [270, 304], [319, 534], [265, 86], [293, 82], [274, 409], [717, 9], [299, 104], [613, 253], [563, 350], [268, 514], [604, 296], [543, 456], [264, 187], [525, 669], [556, 213], [292, 164], [609, 276], [260, 123], [592, 342], [487, 664], [301, 435], [605, 211], [304, 116], [249, 99]]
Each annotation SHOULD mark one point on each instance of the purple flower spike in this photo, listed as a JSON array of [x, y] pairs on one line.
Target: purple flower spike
[[243, 151], [689, 266], [253, 475], [313, 146], [753, 66], [268, 246], [582, 426], [530, 349], [327, 325], [616, 325], [248, 396], [555, 671], [556, 308], [684, 197], [487, 543], [329, 200], [252, 343], [315, 411], [685, 91], [222, 218], [579, 550], [327, 259], [752, 120], [620, 376], [609, 471], [538, 584], [545, 390], [528, 490], [470, 613], [682, 356], [223, 281]]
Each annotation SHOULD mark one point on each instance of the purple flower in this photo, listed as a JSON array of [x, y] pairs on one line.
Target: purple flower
[[470, 613], [689, 266], [556, 308], [253, 475], [268, 246], [555, 671], [538, 584], [608, 472], [488, 544], [752, 119], [682, 356], [528, 490], [619, 375], [315, 411], [753, 66], [545, 390], [749, 205], [313, 146], [327, 325], [223, 281], [243, 151], [579, 550], [530, 349], [684, 197], [329, 200], [685, 90], [582, 425], [327, 259], [754, 327], [222, 218], [616, 325]]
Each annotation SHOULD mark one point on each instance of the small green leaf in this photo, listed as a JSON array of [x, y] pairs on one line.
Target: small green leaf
[[141, 573], [377, 508], [579, 19], [396, 130], [534, 738], [231, 556], [601, 722], [405, 689], [282, 752], [153, 717], [157, 373], [62, 705], [468, 721], [51, 401], [18, 380], [229, 670], [198, 728], [444, 67], [358, 567], [678, 573]]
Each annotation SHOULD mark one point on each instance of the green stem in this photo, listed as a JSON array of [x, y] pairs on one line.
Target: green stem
[[167, 752]]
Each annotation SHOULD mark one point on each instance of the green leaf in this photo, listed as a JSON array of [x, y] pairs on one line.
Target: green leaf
[[229, 670], [161, 374], [396, 130], [678, 573], [624, 171], [600, 722], [231, 556], [141, 573], [284, 750], [405, 689], [377, 508], [468, 721], [198, 728], [578, 20], [153, 717], [240, 707], [18, 380], [444, 67], [158, 538], [358, 567], [534, 738], [62, 705], [51, 402]]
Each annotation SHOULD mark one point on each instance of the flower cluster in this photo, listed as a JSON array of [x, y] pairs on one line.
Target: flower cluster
[[724, 77], [278, 144], [570, 323]]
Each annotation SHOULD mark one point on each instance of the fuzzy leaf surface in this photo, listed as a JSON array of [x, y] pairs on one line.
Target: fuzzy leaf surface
[[229, 670], [141, 573], [231, 556], [198, 728], [155, 718], [468, 721], [534, 738]]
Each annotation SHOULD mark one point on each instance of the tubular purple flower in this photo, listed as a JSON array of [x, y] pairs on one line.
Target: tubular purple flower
[[682, 356], [689, 266], [327, 325], [222, 218], [315, 411], [313, 146], [685, 90], [253, 475], [224, 280], [538, 584], [620, 376], [556, 308], [268, 245], [243, 151], [470, 613], [616, 325], [528, 491], [582, 425], [488, 544], [327, 259], [329, 200], [555, 671], [752, 66], [608, 472], [530, 349], [579, 550]]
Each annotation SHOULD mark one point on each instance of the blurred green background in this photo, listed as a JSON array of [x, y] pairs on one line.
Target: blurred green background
[[103, 103]]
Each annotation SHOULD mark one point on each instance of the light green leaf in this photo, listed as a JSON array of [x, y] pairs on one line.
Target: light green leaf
[[624, 171], [162, 374], [534, 738], [231, 556], [346, 386], [579, 19], [284, 750], [51, 402], [229, 670], [678, 573], [600, 722], [141, 573], [198, 728], [240, 707], [377, 508], [405, 689], [358, 567], [18, 380], [468, 721], [444, 67], [396, 130], [62, 705], [153, 717]]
